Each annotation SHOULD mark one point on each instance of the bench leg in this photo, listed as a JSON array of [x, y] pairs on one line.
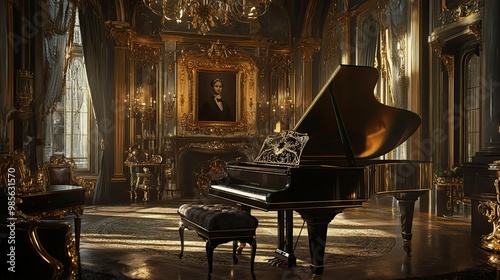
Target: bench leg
[[235, 245], [210, 257], [181, 235], [252, 258]]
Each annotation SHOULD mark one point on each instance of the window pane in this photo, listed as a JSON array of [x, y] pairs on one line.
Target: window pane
[[471, 107]]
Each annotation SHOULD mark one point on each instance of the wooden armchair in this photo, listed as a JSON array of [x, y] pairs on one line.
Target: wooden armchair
[[59, 171]]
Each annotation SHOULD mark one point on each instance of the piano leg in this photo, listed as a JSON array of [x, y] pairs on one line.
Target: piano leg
[[406, 202], [317, 226], [285, 240], [292, 260], [281, 230]]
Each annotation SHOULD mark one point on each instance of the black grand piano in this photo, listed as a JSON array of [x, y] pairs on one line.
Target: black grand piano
[[347, 131]]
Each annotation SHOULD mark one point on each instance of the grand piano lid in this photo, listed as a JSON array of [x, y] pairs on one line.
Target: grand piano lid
[[373, 128]]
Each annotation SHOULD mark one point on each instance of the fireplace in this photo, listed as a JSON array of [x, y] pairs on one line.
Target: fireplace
[[197, 164]]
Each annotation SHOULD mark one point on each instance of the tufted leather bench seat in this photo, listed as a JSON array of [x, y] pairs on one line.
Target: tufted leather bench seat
[[218, 224]]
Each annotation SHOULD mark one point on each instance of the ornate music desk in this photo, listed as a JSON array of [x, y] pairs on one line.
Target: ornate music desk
[[56, 201]]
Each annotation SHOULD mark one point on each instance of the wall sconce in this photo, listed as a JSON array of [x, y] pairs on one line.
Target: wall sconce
[[169, 102], [24, 90], [139, 107]]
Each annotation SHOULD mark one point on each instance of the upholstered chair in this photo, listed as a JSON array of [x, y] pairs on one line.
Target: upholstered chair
[[59, 171]]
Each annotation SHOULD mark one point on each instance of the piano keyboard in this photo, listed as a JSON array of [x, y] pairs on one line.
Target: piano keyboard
[[253, 194]]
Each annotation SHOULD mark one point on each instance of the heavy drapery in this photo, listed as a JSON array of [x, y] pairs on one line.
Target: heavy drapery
[[3, 71], [99, 62]]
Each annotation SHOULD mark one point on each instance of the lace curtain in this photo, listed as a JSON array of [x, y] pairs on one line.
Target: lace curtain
[[57, 38], [98, 50], [56, 46]]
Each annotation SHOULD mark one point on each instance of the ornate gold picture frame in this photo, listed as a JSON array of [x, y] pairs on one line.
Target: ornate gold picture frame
[[197, 69]]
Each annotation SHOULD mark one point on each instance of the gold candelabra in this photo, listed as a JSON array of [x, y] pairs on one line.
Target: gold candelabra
[[140, 108], [169, 102]]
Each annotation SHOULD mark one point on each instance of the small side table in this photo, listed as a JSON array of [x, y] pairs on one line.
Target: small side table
[[156, 172], [454, 191]]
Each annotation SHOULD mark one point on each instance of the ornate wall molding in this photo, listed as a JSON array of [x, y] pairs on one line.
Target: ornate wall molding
[[449, 63], [215, 145], [144, 55], [120, 32], [281, 63], [476, 29], [449, 15], [308, 47]]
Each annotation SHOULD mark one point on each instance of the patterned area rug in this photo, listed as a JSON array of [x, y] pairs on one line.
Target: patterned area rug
[[155, 231]]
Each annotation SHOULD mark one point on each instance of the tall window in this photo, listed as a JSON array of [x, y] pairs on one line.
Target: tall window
[[73, 120], [471, 106]]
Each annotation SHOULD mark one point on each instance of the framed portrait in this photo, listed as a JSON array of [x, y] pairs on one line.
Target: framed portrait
[[217, 95], [204, 70]]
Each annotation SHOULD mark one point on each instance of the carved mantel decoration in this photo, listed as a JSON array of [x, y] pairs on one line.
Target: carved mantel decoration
[[196, 68], [217, 145]]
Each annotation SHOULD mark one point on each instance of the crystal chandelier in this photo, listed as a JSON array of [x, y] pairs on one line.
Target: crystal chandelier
[[205, 14]]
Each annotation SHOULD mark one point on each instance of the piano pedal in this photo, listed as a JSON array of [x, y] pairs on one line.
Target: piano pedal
[[276, 261], [281, 262], [270, 260]]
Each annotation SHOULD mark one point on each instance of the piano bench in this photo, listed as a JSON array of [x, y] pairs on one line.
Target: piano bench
[[218, 224]]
